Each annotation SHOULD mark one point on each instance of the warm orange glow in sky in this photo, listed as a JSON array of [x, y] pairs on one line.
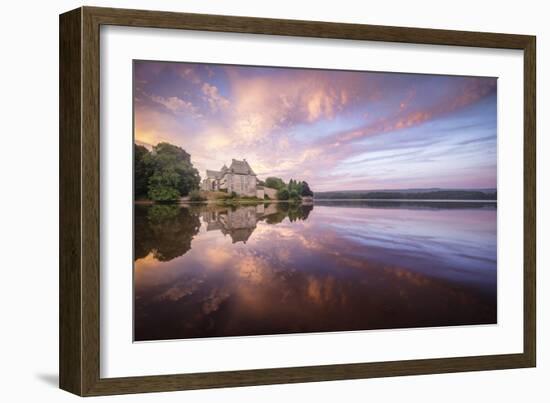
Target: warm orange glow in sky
[[337, 130]]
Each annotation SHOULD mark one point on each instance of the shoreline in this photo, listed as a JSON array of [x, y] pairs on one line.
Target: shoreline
[[225, 202], [236, 202]]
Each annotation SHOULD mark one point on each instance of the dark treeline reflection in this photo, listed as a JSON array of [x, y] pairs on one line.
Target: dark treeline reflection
[[213, 271], [166, 230]]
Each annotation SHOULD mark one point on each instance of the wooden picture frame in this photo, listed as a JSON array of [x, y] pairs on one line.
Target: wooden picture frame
[[80, 199]]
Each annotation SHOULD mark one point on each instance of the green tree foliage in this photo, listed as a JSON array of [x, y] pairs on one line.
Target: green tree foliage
[[161, 192], [142, 171], [305, 190], [295, 189], [164, 174], [173, 166], [275, 183], [300, 187], [283, 194]]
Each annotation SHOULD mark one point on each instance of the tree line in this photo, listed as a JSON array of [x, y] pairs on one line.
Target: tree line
[[293, 190]]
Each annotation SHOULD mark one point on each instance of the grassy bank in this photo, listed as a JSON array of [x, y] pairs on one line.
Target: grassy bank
[[221, 198]]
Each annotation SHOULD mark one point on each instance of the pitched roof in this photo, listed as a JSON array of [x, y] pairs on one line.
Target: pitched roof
[[213, 174], [241, 167]]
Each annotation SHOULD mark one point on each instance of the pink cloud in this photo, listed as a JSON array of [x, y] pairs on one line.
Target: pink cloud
[[473, 90], [270, 117], [177, 105], [265, 104], [215, 100], [189, 73]]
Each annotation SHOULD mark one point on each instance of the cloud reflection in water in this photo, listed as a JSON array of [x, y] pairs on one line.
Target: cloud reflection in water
[[252, 270]]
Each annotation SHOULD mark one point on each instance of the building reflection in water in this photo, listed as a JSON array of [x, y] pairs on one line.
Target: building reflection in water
[[216, 271], [239, 223]]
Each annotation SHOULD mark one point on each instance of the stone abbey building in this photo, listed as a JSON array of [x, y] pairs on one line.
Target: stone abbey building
[[238, 178]]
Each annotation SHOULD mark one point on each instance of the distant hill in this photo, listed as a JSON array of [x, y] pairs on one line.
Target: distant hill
[[411, 194]]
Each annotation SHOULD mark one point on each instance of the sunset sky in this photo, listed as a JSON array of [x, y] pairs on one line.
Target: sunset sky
[[338, 130]]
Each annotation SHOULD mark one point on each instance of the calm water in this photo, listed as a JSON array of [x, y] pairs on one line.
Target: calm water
[[207, 271]]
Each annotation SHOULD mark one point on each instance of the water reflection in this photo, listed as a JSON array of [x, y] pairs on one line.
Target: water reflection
[[206, 271], [240, 222], [165, 231]]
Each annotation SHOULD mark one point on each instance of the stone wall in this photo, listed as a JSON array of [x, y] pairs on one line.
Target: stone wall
[[243, 185], [270, 192]]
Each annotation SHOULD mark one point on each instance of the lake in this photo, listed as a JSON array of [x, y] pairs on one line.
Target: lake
[[213, 271]]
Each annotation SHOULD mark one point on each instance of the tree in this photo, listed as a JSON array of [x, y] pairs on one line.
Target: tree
[[142, 171], [294, 195], [283, 194], [275, 183], [162, 192], [294, 185], [305, 190], [172, 175], [299, 187], [176, 158]]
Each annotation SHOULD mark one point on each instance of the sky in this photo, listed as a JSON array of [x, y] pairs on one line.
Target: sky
[[337, 130]]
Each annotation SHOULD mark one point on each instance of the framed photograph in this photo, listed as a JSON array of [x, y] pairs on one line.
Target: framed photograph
[[250, 201]]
